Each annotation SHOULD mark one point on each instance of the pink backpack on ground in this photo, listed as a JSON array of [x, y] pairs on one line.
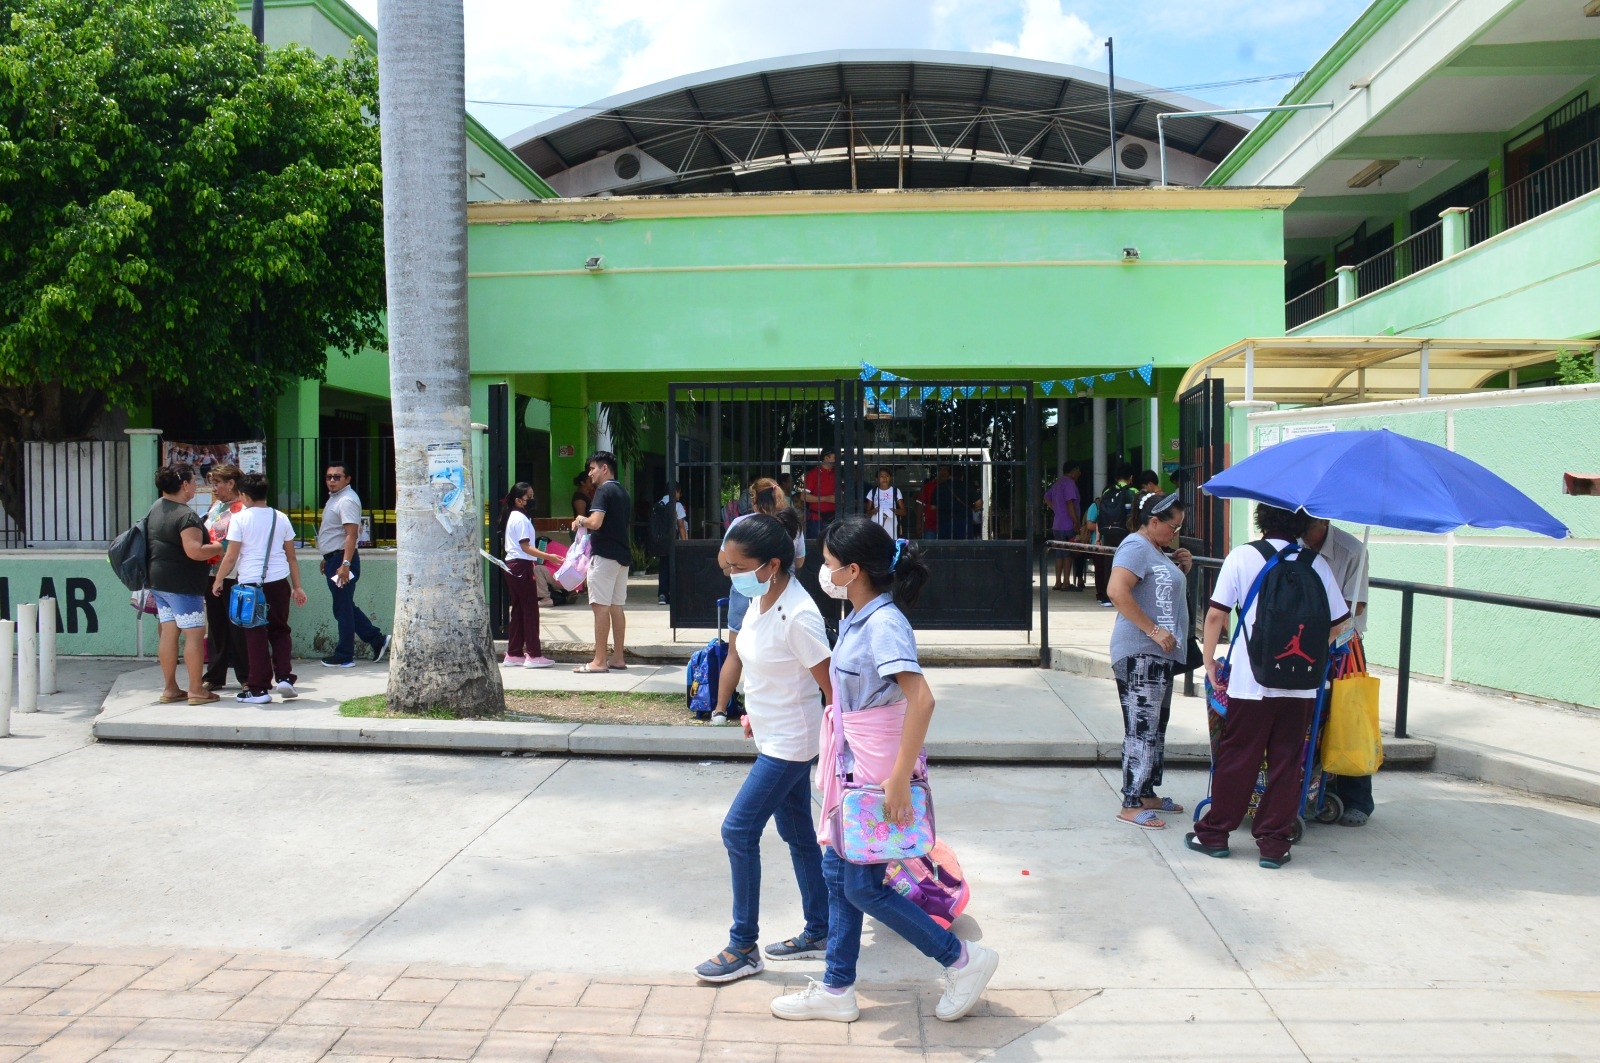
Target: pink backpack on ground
[[933, 883]]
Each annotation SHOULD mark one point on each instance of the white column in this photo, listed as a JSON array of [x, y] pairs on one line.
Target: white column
[[1100, 481], [1249, 372], [8, 673], [47, 645], [1422, 375], [1155, 435], [27, 658]]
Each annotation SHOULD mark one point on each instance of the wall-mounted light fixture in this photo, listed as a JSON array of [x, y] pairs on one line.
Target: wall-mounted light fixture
[[595, 263], [1130, 254]]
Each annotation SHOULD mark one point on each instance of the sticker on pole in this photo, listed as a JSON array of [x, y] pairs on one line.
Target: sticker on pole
[[447, 479]]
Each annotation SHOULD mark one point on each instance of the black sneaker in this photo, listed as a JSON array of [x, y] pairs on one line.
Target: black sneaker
[[730, 965], [1198, 846], [798, 947], [334, 662], [1273, 863]]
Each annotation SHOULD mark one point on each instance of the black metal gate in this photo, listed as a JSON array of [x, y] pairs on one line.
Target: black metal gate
[[1202, 435], [961, 458]]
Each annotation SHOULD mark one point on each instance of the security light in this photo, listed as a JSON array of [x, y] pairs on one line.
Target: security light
[[595, 263], [1130, 254]]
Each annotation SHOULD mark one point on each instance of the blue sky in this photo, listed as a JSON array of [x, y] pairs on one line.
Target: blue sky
[[561, 53]]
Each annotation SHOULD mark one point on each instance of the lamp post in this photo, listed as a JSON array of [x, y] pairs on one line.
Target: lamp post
[[258, 20]]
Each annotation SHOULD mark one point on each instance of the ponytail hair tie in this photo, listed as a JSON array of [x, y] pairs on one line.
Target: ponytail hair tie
[[894, 564]]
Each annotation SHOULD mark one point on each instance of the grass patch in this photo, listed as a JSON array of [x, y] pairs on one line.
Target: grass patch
[[537, 706]]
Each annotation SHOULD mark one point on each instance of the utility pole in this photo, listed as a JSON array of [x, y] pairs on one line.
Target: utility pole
[[258, 20], [1111, 104]]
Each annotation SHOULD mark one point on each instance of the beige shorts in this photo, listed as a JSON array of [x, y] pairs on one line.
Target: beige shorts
[[608, 582]]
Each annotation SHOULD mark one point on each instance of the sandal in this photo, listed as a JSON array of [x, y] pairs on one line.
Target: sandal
[[1147, 819], [1167, 805], [616, 668], [208, 699], [173, 699], [586, 670]]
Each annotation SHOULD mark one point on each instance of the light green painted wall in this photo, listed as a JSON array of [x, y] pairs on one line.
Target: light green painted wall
[[96, 619], [1536, 281], [907, 292], [1528, 438]]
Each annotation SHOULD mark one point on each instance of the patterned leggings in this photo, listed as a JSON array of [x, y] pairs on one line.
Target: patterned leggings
[[1144, 685]]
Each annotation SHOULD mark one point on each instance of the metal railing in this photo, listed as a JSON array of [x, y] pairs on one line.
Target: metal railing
[[72, 495], [1408, 593], [1575, 174], [295, 466]]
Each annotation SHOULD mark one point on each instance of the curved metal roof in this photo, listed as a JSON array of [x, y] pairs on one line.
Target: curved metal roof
[[871, 119]]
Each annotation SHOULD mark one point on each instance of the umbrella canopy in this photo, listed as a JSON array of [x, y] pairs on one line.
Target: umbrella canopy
[[1386, 479]]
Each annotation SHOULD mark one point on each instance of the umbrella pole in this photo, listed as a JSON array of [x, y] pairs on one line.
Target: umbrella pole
[[1403, 691]]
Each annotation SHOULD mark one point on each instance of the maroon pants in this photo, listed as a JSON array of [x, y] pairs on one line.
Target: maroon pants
[[271, 657], [1271, 728], [522, 633]]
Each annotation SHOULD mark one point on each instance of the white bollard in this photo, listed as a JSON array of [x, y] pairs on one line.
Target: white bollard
[[8, 675], [47, 645], [27, 658]]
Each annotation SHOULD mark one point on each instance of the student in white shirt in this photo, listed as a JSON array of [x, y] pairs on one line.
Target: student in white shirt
[[885, 505], [782, 654], [261, 553], [522, 631], [1262, 722]]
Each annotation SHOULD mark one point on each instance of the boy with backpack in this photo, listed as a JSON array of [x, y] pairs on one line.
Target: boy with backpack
[[1112, 511], [1291, 608]]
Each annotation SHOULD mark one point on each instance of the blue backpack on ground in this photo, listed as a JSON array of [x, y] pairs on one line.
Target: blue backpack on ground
[[705, 673]]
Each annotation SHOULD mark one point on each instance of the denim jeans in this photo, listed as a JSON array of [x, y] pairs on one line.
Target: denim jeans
[[351, 620], [781, 790], [857, 889]]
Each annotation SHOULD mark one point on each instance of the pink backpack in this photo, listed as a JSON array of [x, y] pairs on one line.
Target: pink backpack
[[933, 883]]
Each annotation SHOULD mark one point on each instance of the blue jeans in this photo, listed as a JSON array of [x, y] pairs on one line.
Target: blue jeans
[[857, 889], [773, 790], [781, 790], [352, 621]]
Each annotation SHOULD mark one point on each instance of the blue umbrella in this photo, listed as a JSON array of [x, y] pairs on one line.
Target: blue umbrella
[[1386, 479]]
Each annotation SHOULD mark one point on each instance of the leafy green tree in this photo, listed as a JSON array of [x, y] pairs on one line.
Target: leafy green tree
[[180, 209], [1576, 368]]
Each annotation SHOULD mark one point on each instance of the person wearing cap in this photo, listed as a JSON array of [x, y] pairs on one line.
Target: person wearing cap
[[1149, 643]]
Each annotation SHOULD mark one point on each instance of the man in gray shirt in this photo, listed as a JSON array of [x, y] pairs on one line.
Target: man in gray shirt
[[341, 565]]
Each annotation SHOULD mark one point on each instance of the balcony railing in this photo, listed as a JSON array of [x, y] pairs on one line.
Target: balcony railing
[[1567, 178]]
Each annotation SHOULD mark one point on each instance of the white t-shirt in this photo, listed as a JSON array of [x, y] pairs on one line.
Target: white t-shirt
[[1239, 572], [1347, 558], [251, 527], [884, 501], [519, 527], [778, 649]]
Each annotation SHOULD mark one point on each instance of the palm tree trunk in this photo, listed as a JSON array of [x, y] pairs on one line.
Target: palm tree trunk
[[443, 655]]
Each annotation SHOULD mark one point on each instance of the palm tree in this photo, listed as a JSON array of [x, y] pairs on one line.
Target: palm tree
[[443, 654]]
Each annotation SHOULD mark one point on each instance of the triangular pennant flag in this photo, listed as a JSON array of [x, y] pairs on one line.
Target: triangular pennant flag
[[1048, 386], [1146, 371], [944, 393], [1108, 376], [967, 392], [904, 392], [868, 371], [927, 393], [1072, 386]]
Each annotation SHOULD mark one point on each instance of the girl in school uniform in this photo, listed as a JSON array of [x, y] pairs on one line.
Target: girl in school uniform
[[885, 705]]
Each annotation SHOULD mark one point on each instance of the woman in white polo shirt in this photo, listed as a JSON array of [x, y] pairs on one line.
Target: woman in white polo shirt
[[783, 655]]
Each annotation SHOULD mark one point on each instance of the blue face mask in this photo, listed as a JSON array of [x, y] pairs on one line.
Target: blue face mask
[[749, 584]]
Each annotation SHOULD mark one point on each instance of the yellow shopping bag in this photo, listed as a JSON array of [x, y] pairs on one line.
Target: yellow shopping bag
[[1353, 742]]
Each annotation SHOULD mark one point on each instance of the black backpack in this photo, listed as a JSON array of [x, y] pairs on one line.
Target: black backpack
[[1288, 642], [1116, 506], [663, 525], [129, 555]]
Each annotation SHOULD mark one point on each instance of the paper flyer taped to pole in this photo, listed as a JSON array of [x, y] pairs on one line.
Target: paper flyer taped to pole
[[447, 478]]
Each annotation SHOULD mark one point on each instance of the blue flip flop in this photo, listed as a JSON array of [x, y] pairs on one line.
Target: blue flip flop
[[1146, 819]]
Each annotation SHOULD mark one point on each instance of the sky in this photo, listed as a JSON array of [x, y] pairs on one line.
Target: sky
[[558, 54]]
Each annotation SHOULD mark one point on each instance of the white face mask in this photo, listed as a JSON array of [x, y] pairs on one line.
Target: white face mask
[[830, 588]]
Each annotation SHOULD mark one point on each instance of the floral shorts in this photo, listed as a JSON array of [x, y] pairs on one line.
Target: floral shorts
[[187, 610]]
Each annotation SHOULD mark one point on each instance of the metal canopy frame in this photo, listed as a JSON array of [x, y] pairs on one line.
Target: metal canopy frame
[[1328, 370]]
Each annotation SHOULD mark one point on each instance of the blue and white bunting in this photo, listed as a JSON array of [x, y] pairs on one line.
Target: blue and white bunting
[[882, 396]]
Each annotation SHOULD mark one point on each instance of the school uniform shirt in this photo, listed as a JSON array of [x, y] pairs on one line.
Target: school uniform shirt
[[1347, 557], [1238, 574], [883, 502], [518, 527], [259, 537], [875, 644], [778, 648]]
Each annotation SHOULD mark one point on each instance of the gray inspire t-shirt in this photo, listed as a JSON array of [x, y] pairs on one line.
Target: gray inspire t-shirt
[[1159, 592]]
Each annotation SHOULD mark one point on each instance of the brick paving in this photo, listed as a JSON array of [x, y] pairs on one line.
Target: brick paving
[[73, 1003]]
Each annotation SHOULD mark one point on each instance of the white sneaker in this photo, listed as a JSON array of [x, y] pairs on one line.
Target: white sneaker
[[286, 690], [815, 1002], [718, 720], [963, 987], [514, 662], [538, 662]]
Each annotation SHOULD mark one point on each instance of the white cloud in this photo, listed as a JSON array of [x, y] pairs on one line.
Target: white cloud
[[1049, 33]]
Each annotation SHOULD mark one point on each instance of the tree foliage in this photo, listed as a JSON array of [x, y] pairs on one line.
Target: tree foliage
[[179, 208]]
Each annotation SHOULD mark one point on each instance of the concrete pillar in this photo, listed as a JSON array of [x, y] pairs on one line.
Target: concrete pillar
[[1454, 233], [480, 472], [1346, 276], [1099, 430], [297, 475], [27, 658], [1154, 453], [569, 436], [8, 673], [144, 458], [47, 645], [1422, 370], [1061, 437]]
